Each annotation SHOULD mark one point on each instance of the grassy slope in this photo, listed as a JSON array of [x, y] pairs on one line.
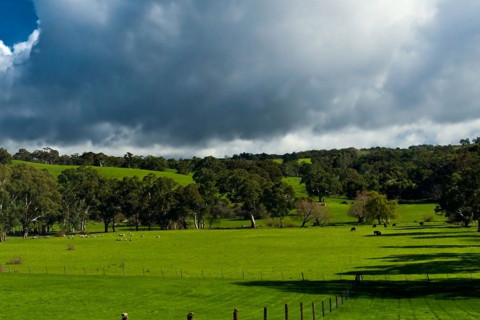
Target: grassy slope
[[113, 172]]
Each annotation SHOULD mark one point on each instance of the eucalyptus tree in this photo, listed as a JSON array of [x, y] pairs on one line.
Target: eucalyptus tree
[[108, 205], [160, 196], [8, 218], [131, 198], [34, 195], [79, 188], [189, 203], [246, 189], [279, 199]]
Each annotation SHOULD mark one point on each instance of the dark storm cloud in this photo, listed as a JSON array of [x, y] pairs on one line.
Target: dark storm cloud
[[187, 72]]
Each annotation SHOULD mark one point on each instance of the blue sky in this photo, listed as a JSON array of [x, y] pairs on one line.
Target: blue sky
[[17, 20], [186, 78]]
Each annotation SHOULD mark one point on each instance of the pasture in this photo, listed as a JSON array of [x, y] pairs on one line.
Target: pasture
[[113, 172], [167, 274]]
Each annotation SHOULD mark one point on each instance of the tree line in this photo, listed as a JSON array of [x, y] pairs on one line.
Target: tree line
[[246, 185]]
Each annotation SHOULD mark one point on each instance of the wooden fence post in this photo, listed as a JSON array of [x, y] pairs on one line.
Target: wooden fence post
[[286, 311], [265, 313], [323, 309], [313, 310], [235, 314], [301, 310], [330, 300]]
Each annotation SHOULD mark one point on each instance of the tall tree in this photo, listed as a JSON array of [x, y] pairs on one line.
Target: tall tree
[[279, 199], [34, 194], [79, 188], [8, 219], [108, 205]]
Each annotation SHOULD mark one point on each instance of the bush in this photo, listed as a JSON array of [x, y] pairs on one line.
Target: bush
[[16, 260], [427, 217], [60, 234]]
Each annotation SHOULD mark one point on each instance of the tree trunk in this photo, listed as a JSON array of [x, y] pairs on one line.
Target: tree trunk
[[252, 221], [195, 221], [478, 225], [303, 223], [105, 226]]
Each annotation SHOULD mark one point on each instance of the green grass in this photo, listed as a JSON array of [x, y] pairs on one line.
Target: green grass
[[212, 272], [114, 172]]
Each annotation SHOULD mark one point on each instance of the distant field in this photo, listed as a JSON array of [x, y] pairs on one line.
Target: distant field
[[301, 160], [113, 172]]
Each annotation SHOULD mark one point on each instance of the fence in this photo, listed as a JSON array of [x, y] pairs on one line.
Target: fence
[[325, 306], [124, 270]]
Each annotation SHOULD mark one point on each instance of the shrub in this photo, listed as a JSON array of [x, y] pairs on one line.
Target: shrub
[[428, 217], [60, 234], [16, 260]]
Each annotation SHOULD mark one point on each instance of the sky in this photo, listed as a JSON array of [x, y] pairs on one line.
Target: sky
[[183, 78]]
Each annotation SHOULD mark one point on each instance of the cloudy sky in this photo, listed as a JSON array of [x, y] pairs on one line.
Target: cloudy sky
[[189, 77]]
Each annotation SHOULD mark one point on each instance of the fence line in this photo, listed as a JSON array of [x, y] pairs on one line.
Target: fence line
[[242, 274]]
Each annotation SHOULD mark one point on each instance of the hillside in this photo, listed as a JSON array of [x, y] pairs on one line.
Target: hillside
[[113, 172]]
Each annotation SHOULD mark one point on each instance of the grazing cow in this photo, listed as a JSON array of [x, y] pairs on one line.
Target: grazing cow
[[394, 225], [353, 229], [124, 316], [421, 223], [374, 226], [377, 233], [385, 225]]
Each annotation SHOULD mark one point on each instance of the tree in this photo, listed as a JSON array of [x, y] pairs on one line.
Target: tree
[[246, 188], [79, 188], [189, 203], [5, 157], [8, 219], [34, 194], [320, 182], [372, 206], [161, 200], [358, 207], [108, 205], [132, 203], [279, 199], [312, 211]]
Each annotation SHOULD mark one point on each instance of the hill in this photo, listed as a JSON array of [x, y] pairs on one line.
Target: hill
[[113, 172]]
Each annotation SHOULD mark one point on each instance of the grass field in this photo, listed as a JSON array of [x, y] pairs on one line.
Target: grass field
[[210, 272]]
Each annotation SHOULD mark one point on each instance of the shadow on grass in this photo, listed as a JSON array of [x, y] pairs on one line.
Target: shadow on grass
[[429, 234], [438, 289], [435, 263], [439, 246], [303, 286]]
